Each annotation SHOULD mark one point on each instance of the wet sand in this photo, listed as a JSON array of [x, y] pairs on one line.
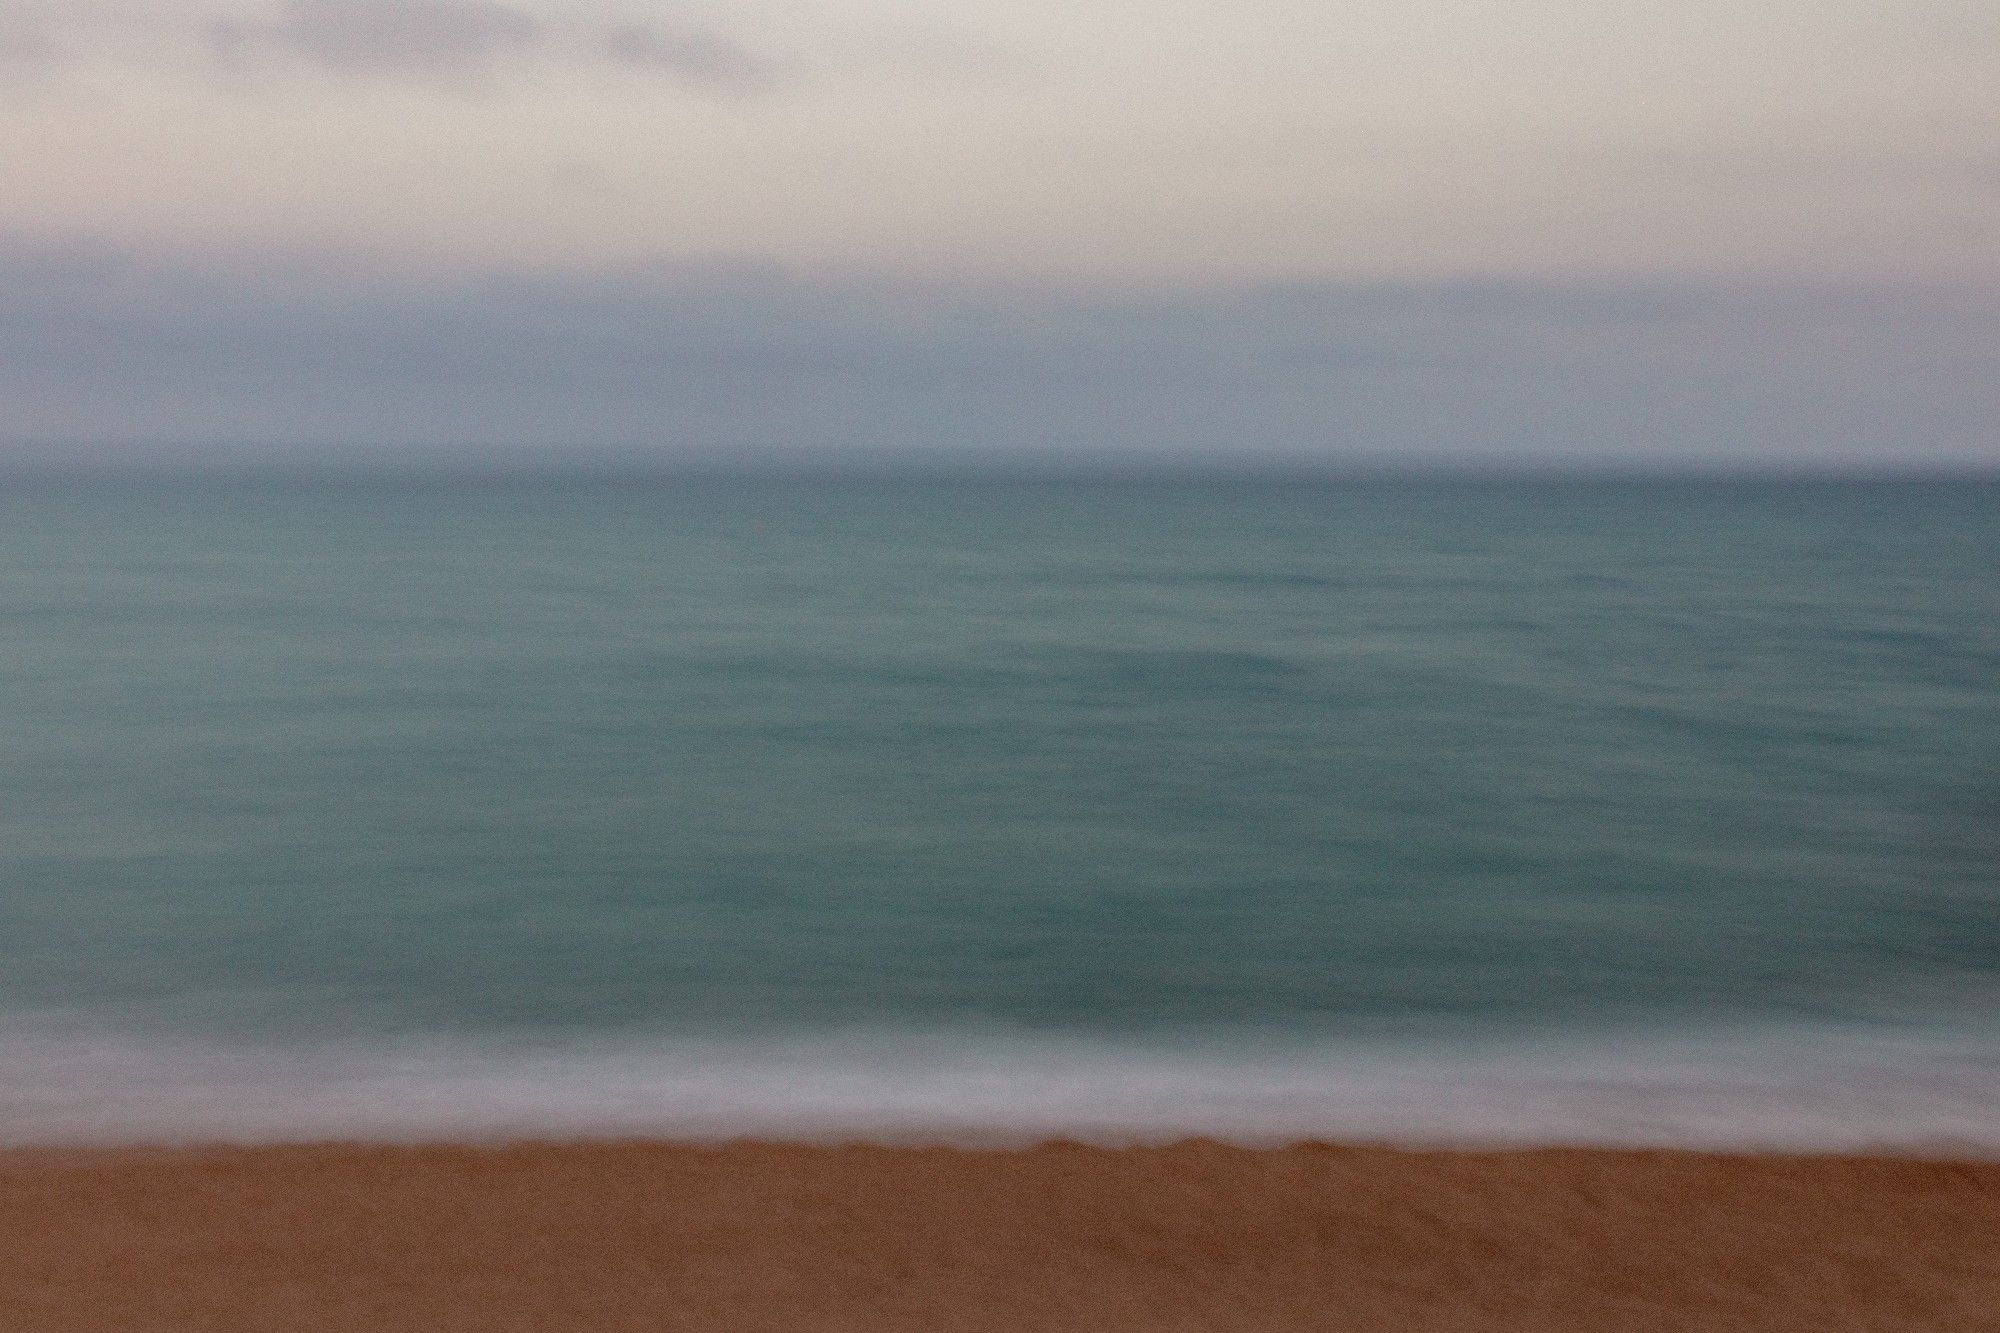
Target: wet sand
[[750, 1237]]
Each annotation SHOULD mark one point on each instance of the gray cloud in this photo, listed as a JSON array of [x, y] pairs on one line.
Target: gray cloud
[[423, 39], [26, 38], [697, 55], [691, 361], [452, 37]]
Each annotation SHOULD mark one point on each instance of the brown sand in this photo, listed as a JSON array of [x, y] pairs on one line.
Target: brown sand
[[827, 1240]]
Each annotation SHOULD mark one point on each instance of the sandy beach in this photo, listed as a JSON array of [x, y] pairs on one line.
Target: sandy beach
[[1192, 1236]]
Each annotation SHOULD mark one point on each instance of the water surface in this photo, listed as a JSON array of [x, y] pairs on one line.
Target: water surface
[[1663, 809]]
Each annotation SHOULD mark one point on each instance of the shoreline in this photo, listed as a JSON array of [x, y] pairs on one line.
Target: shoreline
[[1932, 1088], [754, 1235]]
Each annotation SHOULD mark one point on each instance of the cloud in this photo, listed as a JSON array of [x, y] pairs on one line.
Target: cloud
[[27, 38], [393, 39], [734, 361], [697, 55], [443, 37]]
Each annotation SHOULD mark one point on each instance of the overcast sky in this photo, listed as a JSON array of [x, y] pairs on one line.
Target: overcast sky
[[1591, 229]]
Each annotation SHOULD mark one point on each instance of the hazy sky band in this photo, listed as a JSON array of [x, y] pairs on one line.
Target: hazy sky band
[[97, 348], [1771, 228]]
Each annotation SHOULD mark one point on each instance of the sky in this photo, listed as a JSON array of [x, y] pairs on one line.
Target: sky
[[1551, 230]]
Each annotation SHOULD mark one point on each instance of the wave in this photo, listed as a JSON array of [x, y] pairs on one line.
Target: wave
[[1771, 1089]]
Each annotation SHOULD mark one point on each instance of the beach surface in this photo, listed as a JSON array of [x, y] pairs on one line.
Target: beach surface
[[1198, 1235]]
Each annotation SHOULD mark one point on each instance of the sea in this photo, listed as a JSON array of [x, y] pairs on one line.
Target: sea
[[897, 806]]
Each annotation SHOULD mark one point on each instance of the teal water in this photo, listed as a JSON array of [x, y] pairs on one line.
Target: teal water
[[886, 798]]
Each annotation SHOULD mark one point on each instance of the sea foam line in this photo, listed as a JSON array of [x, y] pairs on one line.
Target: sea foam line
[[1789, 1089]]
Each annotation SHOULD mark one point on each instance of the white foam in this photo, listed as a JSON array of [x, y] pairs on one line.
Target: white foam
[[1787, 1090]]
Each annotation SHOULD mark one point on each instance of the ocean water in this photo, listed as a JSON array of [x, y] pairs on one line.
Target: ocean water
[[1524, 810]]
